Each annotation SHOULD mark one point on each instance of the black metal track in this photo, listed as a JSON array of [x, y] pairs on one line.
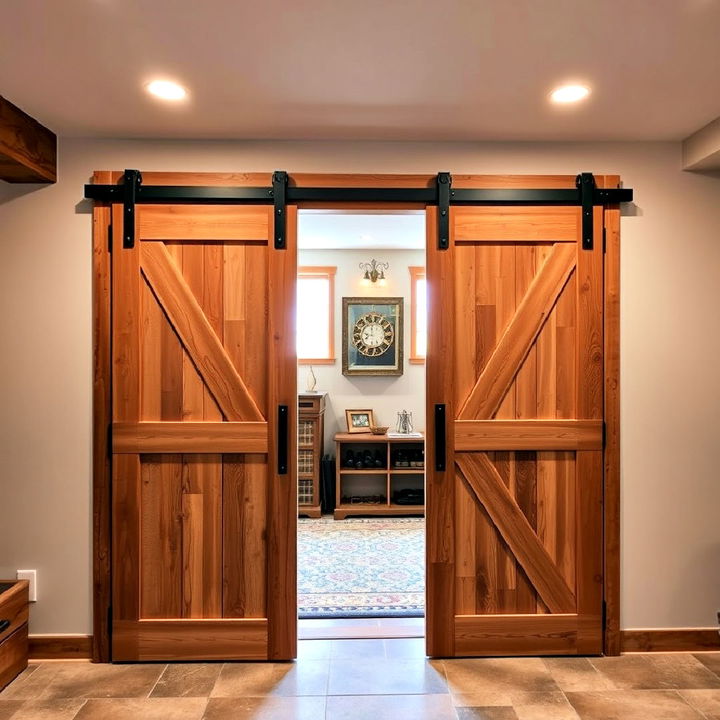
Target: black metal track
[[149, 194], [132, 192]]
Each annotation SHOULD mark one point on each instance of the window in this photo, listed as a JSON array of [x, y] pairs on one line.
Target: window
[[315, 315], [418, 315]]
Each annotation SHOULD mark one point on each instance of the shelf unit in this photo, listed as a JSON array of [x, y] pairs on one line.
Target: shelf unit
[[311, 414], [360, 442]]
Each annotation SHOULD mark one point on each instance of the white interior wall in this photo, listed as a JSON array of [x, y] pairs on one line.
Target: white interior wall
[[384, 395], [670, 349]]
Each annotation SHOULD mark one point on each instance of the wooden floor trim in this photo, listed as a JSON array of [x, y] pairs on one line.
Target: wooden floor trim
[[670, 640], [60, 647]]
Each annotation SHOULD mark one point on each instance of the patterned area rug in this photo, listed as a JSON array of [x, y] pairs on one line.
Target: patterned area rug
[[361, 567]]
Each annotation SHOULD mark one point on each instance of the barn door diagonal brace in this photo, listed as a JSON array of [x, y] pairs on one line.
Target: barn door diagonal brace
[[132, 179], [279, 194], [444, 182], [585, 183]]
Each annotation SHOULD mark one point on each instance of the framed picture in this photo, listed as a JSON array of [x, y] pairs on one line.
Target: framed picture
[[372, 336], [359, 421]]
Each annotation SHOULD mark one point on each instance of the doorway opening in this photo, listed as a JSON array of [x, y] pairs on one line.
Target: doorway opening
[[361, 345]]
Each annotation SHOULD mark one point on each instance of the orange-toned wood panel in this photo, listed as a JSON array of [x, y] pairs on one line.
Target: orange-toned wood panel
[[172, 640], [516, 224], [516, 635], [190, 437], [244, 533], [528, 435], [191, 222]]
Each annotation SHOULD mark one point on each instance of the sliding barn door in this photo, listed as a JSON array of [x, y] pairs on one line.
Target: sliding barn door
[[203, 350], [515, 360]]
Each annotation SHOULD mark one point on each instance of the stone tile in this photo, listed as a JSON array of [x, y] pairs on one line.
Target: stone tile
[[496, 698], [357, 649], [187, 680], [390, 707], [314, 649], [8, 707], [386, 677], [405, 648], [266, 708], [498, 675], [560, 711], [486, 713], [304, 677], [577, 674], [707, 701], [143, 708], [85, 680], [657, 672], [31, 685], [710, 660], [61, 709], [632, 705]]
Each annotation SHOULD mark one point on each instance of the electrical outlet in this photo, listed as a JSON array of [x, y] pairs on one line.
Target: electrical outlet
[[31, 577]]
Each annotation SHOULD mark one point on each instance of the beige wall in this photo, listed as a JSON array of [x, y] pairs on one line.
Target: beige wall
[[671, 346], [385, 395]]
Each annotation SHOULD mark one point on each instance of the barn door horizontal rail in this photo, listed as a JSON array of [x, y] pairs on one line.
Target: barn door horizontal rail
[[131, 192]]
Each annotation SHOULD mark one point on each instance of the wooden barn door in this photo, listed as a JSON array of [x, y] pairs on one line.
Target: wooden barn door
[[515, 355], [203, 350]]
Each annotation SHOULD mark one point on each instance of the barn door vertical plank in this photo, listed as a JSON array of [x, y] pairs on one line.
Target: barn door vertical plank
[[282, 390], [440, 485], [590, 396], [102, 417]]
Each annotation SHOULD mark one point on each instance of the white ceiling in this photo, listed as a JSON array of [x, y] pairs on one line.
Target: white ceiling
[[327, 230], [356, 69]]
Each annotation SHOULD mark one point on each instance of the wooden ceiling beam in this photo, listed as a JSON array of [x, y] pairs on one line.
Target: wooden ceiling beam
[[28, 150]]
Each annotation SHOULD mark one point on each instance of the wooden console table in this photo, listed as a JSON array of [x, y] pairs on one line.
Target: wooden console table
[[388, 480], [13, 629]]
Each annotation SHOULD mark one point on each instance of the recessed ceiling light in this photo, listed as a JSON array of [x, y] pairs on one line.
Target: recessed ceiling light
[[569, 93], [166, 90]]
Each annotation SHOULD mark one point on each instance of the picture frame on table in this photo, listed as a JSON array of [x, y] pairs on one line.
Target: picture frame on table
[[359, 421]]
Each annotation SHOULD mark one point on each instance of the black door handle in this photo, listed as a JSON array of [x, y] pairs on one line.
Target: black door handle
[[283, 440], [440, 438], [4, 625]]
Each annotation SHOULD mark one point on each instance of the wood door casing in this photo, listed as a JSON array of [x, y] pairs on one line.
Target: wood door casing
[[203, 353], [516, 353]]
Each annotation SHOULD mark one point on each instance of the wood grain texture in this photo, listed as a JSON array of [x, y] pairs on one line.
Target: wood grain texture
[[197, 335], [14, 606], [102, 419], [516, 224], [515, 635], [245, 527], [670, 640], [282, 489], [126, 473], [440, 485], [207, 639], [13, 655], [191, 222], [487, 485], [61, 647], [501, 368], [28, 150], [612, 429], [528, 435], [190, 437]]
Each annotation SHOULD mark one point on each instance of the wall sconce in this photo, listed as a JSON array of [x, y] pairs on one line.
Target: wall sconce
[[374, 272]]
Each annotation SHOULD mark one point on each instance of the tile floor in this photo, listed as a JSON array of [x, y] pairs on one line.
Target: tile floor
[[374, 679]]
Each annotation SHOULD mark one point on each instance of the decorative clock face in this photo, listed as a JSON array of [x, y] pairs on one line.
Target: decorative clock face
[[373, 334]]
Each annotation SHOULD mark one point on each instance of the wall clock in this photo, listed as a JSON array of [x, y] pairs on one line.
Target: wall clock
[[372, 336]]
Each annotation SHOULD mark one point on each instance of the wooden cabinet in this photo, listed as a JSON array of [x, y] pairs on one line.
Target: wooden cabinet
[[13, 629], [311, 413], [391, 483]]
